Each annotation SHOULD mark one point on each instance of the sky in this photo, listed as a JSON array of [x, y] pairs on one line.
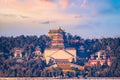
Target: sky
[[86, 18]]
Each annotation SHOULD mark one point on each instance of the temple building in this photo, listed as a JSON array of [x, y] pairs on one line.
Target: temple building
[[65, 65], [57, 50], [38, 53], [18, 53], [99, 57], [58, 55], [68, 54]]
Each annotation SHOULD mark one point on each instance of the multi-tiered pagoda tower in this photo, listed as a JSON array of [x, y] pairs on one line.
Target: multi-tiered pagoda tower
[[57, 38], [57, 51], [57, 56]]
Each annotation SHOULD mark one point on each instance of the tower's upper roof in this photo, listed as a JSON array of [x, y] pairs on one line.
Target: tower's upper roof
[[56, 30]]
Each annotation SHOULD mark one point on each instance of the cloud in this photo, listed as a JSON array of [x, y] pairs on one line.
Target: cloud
[[13, 15], [73, 4], [22, 1], [84, 4], [78, 16], [24, 17], [47, 3], [7, 15], [45, 22], [48, 0], [64, 3]]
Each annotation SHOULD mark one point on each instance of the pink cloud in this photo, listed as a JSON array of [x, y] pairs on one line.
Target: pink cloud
[[73, 4], [28, 4], [36, 11], [64, 3], [48, 3]]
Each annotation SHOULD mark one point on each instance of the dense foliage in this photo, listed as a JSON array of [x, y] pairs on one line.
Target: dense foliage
[[29, 66]]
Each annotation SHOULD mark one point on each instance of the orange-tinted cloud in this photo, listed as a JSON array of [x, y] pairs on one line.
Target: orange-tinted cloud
[[64, 3], [30, 8], [37, 11]]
